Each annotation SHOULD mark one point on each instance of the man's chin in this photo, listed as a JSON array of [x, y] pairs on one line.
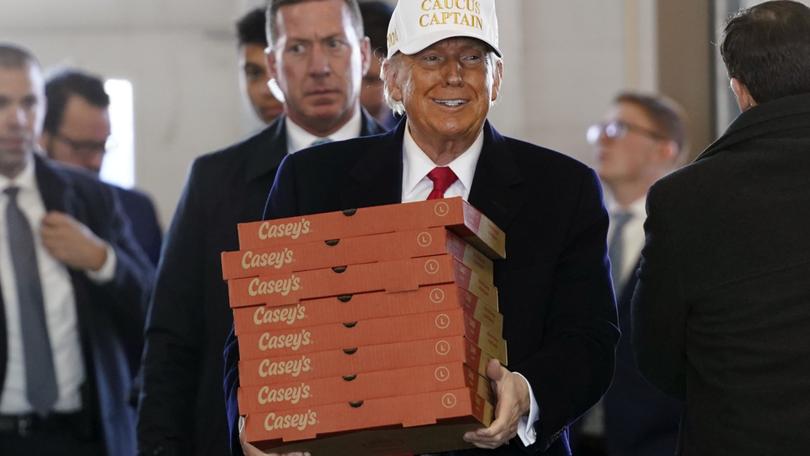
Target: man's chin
[[327, 114]]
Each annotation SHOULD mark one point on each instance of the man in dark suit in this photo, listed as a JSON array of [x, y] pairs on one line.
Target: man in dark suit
[[553, 288], [74, 288], [318, 56], [721, 313], [76, 129], [641, 139]]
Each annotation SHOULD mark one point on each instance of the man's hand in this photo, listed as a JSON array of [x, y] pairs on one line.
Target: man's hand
[[251, 450], [72, 243], [512, 394]]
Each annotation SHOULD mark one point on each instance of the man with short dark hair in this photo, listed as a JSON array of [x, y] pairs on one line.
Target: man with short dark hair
[[73, 289], [75, 132], [720, 313], [553, 287], [253, 76], [641, 139], [376, 15], [318, 55]]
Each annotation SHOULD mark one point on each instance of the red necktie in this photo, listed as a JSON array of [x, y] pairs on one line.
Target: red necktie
[[442, 177]]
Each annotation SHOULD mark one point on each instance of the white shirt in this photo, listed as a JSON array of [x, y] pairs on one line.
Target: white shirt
[[298, 138], [60, 306], [416, 186], [416, 165], [632, 234]]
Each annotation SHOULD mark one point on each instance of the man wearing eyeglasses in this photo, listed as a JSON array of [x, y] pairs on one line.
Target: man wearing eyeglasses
[[76, 132], [641, 139]]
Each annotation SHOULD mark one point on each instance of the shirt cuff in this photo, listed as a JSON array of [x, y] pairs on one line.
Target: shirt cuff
[[107, 271], [525, 429]]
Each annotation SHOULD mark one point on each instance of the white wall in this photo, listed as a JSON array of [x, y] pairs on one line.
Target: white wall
[[565, 59]]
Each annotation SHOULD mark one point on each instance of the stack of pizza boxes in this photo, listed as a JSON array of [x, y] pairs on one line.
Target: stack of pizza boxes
[[367, 331]]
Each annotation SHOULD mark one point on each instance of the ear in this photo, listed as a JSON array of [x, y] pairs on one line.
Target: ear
[[496, 82], [44, 142], [272, 67], [365, 54], [668, 151], [391, 79], [744, 99]]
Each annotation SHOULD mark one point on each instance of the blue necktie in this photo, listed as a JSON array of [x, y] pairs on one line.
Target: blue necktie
[[320, 141], [40, 375]]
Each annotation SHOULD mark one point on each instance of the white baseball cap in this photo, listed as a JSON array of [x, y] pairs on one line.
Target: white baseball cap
[[417, 24]]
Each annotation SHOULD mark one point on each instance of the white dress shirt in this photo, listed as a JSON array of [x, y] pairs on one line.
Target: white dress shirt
[[59, 301], [298, 138], [593, 422], [416, 186], [632, 234]]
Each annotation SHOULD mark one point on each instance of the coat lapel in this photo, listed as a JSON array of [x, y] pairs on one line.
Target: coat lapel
[[496, 189], [56, 194], [266, 155], [377, 178]]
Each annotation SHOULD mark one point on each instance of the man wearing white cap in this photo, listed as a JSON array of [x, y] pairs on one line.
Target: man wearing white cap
[[444, 71]]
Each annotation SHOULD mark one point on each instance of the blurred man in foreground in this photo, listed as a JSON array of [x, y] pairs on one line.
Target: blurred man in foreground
[[74, 285], [720, 313]]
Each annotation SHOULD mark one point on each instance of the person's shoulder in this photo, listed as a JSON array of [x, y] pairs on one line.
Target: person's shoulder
[[239, 151], [693, 178], [332, 153], [539, 158], [133, 197], [76, 177]]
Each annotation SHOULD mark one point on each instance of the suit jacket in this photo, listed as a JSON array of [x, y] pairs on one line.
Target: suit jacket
[[143, 218], [722, 308], [554, 287], [110, 315], [640, 420], [181, 407]]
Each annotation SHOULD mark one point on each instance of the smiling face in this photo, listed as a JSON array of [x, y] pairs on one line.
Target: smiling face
[[318, 60], [447, 90]]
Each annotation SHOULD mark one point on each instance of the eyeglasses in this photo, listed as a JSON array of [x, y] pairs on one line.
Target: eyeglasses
[[617, 129], [86, 148]]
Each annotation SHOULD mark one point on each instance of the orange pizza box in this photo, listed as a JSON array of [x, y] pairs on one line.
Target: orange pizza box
[[355, 360], [304, 256], [363, 306], [428, 325], [391, 276], [363, 386], [454, 213], [444, 436], [270, 429]]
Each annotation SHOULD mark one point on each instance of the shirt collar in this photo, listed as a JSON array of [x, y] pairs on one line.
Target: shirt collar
[[298, 138], [637, 208], [26, 180], [416, 164]]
